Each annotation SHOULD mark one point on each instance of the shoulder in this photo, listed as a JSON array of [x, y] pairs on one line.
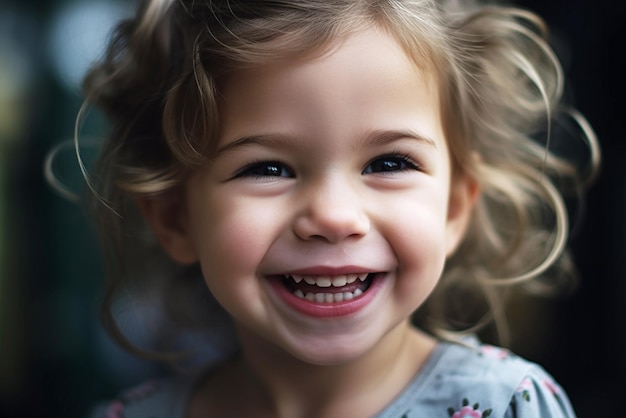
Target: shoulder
[[478, 381], [165, 398], [538, 395]]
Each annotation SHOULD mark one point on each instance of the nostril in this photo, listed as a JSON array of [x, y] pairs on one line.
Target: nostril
[[331, 225]]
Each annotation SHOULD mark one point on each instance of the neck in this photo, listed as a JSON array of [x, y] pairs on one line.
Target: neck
[[284, 386]]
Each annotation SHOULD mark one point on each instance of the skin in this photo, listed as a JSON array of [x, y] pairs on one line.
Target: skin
[[327, 165]]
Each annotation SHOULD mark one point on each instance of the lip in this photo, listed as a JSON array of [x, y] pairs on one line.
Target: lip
[[327, 310]]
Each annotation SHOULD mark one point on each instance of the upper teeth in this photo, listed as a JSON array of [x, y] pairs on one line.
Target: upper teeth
[[328, 281]]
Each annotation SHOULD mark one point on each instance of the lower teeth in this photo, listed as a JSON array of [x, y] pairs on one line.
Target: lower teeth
[[328, 297]]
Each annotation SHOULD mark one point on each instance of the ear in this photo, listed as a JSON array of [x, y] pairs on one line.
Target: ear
[[167, 217], [464, 192]]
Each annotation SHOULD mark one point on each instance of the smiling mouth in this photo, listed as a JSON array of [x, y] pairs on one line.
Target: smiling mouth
[[328, 289]]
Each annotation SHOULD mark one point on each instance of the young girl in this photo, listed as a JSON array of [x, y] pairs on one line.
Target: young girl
[[326, 168]]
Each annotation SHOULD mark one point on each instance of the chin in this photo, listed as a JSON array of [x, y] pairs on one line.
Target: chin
[[330, 353]]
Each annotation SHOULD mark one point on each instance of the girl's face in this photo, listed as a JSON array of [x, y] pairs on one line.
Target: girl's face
[[327, 214]]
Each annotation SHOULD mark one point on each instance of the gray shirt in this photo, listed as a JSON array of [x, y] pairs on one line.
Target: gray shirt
[[467, 380]]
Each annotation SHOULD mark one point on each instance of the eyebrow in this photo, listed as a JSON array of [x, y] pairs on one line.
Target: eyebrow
[[372, 138], [383, 137], [267, 140]]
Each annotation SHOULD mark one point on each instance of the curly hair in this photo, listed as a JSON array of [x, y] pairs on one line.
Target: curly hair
[[500, 87]]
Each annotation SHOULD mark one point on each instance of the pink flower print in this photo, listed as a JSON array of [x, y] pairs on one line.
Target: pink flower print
[[494, 352], [524, 389], [141, 391], [115, 410], [468, 411], [552, 388], [525, 385]]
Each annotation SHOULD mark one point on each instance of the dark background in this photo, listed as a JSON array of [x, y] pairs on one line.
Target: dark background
[[54, 359], [589, 354]]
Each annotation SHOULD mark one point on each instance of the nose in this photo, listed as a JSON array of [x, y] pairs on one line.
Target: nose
[[332, 211]]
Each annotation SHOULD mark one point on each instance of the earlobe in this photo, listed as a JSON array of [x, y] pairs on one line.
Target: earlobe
[[166, 216], [464, 192]]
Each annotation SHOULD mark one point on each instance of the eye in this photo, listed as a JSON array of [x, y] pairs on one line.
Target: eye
[[264, 169], [390, 163]]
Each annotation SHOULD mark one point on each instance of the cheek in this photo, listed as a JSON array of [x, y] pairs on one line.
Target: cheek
[[419, 242], [232, 236], [230, 240]]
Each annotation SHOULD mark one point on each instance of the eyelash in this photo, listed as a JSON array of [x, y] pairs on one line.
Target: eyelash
[[401, 162], [249, 170], [404, 162]]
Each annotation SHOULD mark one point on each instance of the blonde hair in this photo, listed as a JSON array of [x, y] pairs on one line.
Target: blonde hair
[[500, 86]]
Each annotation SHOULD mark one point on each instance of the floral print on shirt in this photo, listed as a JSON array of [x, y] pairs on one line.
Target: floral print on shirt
[[116, 408], [468, 411], [526, 385]]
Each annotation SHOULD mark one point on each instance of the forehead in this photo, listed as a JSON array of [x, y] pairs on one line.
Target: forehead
[[363, 78], [373, 43]]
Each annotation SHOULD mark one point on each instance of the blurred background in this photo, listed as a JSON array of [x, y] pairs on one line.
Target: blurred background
[[55, 361]]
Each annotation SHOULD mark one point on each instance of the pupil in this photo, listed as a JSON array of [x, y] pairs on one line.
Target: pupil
[[388, 165]]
